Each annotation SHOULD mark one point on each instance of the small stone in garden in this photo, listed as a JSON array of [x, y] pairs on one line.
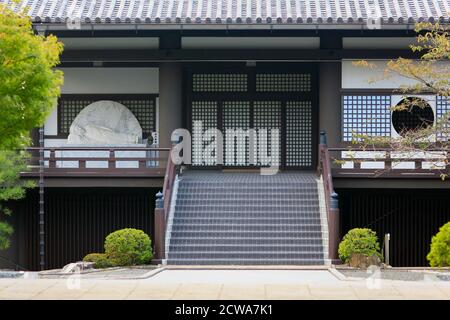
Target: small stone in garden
[[77, 267], [359, 260]]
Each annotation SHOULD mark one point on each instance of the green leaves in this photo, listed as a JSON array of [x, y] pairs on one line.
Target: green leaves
[[5, 232], [359, 240], [29, 85], [439, 255], [128, 247], [29, 88]]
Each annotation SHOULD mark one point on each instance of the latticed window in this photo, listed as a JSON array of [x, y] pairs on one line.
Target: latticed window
[[442, 108], [285, 82], [143, 108], [366, 114], [215, 82]]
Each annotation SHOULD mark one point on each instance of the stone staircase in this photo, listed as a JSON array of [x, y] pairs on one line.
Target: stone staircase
[[247, 219]]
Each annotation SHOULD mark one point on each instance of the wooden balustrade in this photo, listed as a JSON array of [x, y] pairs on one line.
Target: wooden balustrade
[[382, 162], [100, 161]]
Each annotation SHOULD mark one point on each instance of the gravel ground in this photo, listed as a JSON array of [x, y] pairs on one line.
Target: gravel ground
[[401, 275], [122, 273]]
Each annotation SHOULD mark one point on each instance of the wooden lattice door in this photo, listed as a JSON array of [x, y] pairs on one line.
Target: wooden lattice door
[[275, 105]]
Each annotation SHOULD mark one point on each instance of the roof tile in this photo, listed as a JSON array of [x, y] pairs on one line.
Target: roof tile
[[235, 11]]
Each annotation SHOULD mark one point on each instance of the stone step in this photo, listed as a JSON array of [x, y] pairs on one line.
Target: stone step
[[275, 184], [246, 220], [246, 234], [229, 207], [213, 241], [280, 202], [249, 214], [247, 227], [248, 262], [244, 255], [237, 189], [293, 248], [239, 196]]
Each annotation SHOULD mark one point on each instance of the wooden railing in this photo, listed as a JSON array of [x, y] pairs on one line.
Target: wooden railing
[[331, 198], [99, 161], [385, 163], [162, 210]]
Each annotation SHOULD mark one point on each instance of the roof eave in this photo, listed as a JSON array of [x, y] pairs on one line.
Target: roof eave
[[221, 26]]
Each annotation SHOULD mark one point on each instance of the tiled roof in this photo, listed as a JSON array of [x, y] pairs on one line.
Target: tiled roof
[[236, 11]]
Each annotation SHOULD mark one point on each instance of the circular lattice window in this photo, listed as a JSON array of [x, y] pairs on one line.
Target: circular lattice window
[[412, 113]]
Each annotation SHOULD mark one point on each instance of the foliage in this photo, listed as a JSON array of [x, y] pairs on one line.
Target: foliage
[[359, 240], [439, 255], [29, 84], [11, 188], [128, 247], [431, 75], [100, 260], [29, 87]]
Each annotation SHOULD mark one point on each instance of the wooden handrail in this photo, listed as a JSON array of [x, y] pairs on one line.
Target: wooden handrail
[[169, 180], [324, 169], [162, 210], [98, 149]]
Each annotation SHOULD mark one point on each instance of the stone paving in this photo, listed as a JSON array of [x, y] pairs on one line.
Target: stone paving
[[223, 284]]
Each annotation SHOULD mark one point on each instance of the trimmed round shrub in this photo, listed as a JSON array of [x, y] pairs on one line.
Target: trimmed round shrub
[[128, 247], [100, 260], [439, 255], [359, 240]]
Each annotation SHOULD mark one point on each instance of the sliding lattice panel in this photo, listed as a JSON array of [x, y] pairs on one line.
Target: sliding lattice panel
[[299, 134], [236, 122], [267, 117], [204, 117]]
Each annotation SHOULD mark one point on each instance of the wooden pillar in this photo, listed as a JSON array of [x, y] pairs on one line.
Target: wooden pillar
[[170, 100]]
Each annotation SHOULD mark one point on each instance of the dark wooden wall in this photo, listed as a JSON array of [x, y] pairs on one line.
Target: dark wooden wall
[[77, 222], [411, 217]]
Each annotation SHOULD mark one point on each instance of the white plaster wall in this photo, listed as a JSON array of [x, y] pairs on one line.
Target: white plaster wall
[[51, 127], [110, 80], [354, 77]]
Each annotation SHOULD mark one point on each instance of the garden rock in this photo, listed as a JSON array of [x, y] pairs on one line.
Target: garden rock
[[361, 261]]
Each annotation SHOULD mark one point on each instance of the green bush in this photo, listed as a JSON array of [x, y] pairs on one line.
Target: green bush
[[100, 260], [128, 247], [359, 240], [439, 255]]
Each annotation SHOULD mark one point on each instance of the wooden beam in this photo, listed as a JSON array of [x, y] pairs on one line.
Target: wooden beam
[[229, 55]]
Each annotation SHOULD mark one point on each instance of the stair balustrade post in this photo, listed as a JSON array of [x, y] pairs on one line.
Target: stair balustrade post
[[323, 137], [160, 228], [334, 227]]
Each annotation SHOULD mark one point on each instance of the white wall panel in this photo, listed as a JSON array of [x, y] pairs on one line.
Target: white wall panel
[[354, 77], [51, 125], [110, 80]]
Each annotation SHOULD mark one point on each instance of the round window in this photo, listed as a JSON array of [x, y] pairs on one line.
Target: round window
[[414, 114]]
